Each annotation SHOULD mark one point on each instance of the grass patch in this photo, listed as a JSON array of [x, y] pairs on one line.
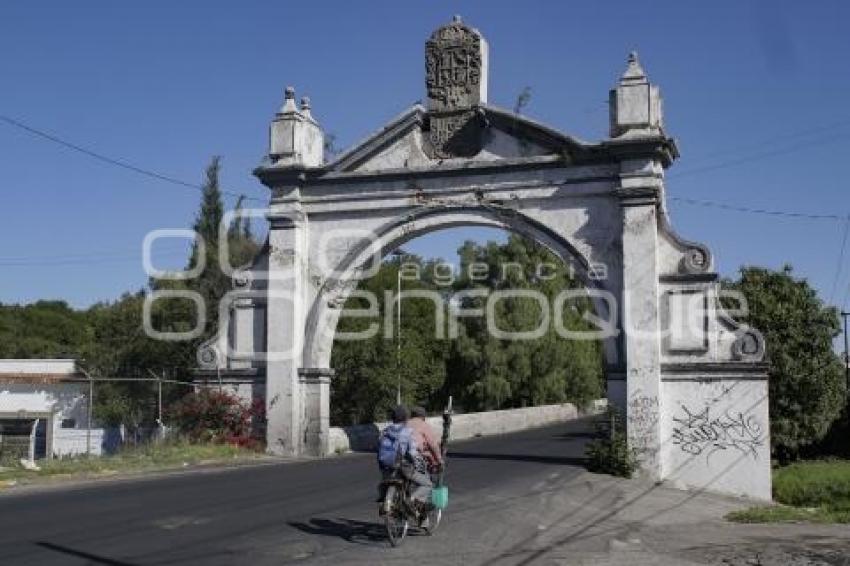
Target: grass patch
[[149, 457], [815, 491]]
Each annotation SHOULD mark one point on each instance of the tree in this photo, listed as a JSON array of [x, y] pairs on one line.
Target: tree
[[212, 283], [45, 329], [492, 373], [242, 246], [807, 384], [367, 372], [480, 371]]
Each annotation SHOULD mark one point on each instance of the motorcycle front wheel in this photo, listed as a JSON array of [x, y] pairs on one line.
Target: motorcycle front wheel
[[395, 517]]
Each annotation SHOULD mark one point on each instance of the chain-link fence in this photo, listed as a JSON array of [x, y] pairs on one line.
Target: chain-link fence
[[124, 411]]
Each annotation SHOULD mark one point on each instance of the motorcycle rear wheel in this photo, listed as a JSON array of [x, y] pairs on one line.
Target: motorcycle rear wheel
[[434, 517]]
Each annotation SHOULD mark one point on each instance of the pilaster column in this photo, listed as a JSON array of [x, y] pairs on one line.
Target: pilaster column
[[285, 320], [639, 200], [316, 384], [295, 146]]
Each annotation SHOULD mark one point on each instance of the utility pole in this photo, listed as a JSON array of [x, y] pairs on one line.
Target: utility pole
[[399, 254], [159, 399], [159, 424], [159, 405], [846, 354]]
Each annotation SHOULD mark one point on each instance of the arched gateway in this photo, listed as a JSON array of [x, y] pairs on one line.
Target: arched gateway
[[690, 380]]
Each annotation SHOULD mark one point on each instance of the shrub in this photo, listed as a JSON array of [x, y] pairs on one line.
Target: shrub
[[217, 416], [610, 453], [807, 383]]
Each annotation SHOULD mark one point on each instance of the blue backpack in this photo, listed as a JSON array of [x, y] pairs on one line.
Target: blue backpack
[[395, 443]]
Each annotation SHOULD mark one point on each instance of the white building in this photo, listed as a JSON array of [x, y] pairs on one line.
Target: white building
[[44, 409]]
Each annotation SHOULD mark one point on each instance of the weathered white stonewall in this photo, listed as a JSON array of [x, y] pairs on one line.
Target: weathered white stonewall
[[689, 378]]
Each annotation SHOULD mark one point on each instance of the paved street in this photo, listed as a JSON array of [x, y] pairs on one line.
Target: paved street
[[515, 499]]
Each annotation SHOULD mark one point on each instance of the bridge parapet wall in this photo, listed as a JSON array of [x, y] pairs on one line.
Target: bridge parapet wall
[[364, 438]]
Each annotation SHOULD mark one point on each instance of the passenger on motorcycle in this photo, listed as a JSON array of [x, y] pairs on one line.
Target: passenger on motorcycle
[[425, 438], [397, 449]]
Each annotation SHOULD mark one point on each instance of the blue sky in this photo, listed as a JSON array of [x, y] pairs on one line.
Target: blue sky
[[755, 93]]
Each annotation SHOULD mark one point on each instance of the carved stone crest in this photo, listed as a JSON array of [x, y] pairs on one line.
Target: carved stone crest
[[456, 80], [454, 134], [456, 67]]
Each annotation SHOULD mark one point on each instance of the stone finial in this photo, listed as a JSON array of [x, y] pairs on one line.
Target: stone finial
[[635, 104], [288, 101], [457, 19], [634, 72], [295, 138], [305, 106]]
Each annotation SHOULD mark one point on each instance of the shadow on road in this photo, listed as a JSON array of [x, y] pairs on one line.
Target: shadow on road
[[358, 532], [580, 434], [564, 460], [92, 558]]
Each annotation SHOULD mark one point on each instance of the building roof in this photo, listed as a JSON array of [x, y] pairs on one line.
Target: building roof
[[39, 370]]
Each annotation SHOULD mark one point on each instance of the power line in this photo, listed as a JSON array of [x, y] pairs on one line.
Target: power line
[[777, 139], [179, 182], [751, 210], [753, 157], [37, 262], [115, 162], [76, 255]]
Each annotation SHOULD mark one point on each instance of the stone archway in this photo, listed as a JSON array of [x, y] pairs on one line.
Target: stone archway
[[690, 380], [322, 319]]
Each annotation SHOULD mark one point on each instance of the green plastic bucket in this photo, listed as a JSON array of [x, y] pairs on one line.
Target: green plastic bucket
[[440, 497]]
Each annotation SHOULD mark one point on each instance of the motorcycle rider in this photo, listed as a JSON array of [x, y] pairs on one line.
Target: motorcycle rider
[[425, 438], [397, 447]]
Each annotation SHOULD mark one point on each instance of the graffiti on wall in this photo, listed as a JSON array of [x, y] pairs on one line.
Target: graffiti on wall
[[643, 418], [699, 432]]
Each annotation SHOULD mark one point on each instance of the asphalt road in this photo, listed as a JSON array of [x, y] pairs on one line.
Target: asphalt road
[[517, 499], [291, 512]]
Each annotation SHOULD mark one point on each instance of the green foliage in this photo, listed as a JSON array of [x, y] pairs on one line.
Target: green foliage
[[812, 483], [45, 329], [480, 371], [807, 384], [364, 389], [610, 452], [213, 283], [836, 442], [492, 373], [817, 491]]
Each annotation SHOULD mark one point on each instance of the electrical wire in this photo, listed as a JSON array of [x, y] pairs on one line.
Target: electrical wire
[[751, 210], [753, 157], [114, 161]]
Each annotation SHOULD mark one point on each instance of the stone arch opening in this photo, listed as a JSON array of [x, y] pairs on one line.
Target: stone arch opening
[[323, 317]]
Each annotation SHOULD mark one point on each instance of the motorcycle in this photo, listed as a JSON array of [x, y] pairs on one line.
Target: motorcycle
[[399, 509]]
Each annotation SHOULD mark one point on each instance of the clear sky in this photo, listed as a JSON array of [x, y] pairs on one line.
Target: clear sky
[[755, 93]]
